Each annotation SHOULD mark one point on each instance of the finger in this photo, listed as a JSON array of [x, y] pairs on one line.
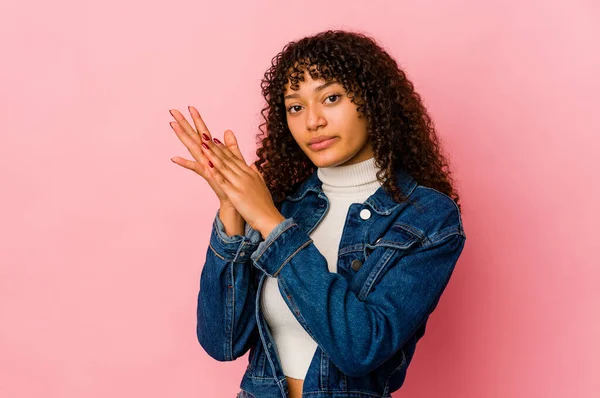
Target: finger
[[191, 144], [220, 181], [229, 160], [186, 127], [253, 167], [186, 163], [199, 123], [231, 150], [226, 167], [203, 171], [232, 144]]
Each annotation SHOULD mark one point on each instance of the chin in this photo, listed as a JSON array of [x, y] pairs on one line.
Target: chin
[[326, 161]]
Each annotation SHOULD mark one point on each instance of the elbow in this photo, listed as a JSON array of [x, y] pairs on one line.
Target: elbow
[[214, 347], [360, 368], [209, 330], [354, 367]]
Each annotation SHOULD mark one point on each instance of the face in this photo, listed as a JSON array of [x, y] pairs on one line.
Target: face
[[322, 108]]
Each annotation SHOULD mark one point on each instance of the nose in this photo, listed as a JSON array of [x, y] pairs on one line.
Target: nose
[[314, 118]]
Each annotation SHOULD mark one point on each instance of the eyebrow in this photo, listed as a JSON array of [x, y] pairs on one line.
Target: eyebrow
[[317, 89]]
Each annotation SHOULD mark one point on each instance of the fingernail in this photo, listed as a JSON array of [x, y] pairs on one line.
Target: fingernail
[[216, 140], [205, 137], [210, 164], [205, 146], [171, 112]]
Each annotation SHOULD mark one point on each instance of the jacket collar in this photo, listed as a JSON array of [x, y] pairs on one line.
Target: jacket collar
[[381, 202]]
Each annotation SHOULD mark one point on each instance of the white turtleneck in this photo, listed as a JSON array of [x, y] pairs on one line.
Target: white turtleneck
[[343, 185]]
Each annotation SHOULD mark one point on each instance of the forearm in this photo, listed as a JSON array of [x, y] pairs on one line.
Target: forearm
[[232, 220], [226, 325], [359, 330]]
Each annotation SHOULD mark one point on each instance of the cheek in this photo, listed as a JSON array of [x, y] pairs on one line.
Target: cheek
[[292, 126], [351, 124]]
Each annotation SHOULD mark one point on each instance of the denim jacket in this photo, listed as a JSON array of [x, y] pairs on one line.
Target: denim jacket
[[394, 262]]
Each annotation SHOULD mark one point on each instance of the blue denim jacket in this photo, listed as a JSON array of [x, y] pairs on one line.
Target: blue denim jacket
[[394, 262]]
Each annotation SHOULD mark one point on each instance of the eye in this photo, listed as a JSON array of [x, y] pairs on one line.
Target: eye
[[336, 96], [292, 107]]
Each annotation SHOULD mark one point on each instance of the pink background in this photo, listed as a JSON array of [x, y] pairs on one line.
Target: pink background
[[102, 237]]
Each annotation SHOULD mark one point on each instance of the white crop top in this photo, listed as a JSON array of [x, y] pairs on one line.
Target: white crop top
[[343, 185]]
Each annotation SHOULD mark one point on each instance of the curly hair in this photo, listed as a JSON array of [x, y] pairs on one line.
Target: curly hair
[[401, 132]]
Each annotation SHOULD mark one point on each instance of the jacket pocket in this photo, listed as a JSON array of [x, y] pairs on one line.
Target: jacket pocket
[[384, 253]]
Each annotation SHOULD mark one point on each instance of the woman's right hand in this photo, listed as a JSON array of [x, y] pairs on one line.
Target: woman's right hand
[[192, 139]]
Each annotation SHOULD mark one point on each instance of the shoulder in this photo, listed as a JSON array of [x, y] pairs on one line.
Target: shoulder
[[430, 214]]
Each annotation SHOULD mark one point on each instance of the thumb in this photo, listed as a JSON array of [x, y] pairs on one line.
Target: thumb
[[232, 144], [253, 167]]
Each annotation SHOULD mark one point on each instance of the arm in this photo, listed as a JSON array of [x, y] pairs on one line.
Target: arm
[[226, 326], [358, 335], [232, 222]]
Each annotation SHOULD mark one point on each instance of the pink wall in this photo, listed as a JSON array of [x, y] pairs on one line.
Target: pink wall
[[102, 237]]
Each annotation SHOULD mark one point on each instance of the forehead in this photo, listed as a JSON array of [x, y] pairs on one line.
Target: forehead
[[304, 72], [305, 82]]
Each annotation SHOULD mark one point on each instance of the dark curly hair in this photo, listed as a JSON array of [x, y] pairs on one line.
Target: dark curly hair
[[402, 133]]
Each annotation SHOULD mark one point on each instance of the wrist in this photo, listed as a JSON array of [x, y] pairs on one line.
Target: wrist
[[270, 224], [232, 220]]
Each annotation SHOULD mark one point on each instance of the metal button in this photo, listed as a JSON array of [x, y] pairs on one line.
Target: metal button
[[356, 264], [242, 253], [365, 214]]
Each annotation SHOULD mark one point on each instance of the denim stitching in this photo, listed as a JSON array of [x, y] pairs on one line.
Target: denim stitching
[[308, 242], [273, 241]]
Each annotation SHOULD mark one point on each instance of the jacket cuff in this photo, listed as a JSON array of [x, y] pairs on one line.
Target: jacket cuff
[[282, 243], [236, 248]]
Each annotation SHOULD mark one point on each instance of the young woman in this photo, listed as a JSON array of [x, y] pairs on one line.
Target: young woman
[[328, 253]]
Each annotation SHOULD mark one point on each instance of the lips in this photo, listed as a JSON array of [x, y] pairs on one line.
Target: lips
[[316, 146], [320, 138]]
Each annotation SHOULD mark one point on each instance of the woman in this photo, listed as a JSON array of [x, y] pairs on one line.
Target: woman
[[328, 253]]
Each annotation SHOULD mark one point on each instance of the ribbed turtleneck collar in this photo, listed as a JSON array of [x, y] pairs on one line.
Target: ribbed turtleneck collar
[[354, 179]]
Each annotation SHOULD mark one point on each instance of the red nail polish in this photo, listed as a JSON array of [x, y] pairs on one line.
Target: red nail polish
[[210, 164], [205, 146], [207, 138], [216, 140]]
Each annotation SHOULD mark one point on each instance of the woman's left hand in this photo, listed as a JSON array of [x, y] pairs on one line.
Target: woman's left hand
[[244, 186]]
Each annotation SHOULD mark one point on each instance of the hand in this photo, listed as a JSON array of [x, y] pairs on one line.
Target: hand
[[192, 140], [244, 186]]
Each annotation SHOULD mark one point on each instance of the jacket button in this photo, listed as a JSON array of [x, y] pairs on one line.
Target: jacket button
[[365, 214], [356, 264]]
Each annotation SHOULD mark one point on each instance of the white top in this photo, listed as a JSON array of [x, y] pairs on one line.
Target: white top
[[343, 185]]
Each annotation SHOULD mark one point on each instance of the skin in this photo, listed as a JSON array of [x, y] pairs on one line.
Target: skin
[[224, 168], [320, 109], [315, 109]]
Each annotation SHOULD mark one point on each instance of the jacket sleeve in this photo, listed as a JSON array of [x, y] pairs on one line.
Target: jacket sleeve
[[358, 335], [226, 324]]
